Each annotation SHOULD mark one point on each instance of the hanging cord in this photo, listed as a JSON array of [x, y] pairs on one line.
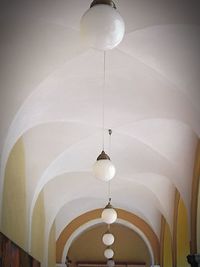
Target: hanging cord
[[103, 98], [109, 190], [110, 133], [109, 182]]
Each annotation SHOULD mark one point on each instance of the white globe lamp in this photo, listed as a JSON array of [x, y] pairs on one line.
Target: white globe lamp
[[110, 263], [102, 27], [103, 168], [108, 239], [108, 253], [109, 214]]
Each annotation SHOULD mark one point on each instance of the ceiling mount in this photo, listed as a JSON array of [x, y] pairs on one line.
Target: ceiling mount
[[103, 2]]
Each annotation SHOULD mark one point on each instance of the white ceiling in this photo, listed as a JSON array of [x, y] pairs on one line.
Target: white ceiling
[[51, 95]]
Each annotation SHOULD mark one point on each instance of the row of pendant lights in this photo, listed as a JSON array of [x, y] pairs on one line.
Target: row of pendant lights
[[109, 216], [103, 28]]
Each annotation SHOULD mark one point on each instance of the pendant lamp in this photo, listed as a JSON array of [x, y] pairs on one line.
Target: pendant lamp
[[109, 214], [108, 239], [108, 253], [102, 27], [110, 263], [103, 168]]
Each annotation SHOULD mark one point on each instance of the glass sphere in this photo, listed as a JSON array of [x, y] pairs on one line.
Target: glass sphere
[[108, 253], [104, 170], [108, 239], [110, 263], [102, 27], [109, 216]]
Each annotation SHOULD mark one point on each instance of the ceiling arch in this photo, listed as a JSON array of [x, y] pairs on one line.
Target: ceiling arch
[[69, 211], [57, 187], [165, 60], [122, 195], [25, 119], [96, 222], [69, 162], [51, 101], [123, 217]]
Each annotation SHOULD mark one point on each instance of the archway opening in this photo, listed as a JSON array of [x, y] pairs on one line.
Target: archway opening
[[129, 247]]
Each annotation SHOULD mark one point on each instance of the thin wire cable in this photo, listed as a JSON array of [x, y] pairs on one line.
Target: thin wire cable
[[109, 182], [109, 193], [110, 133], [103, 99]]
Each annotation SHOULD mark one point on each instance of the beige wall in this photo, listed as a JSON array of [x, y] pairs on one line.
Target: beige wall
[[14, 210], [167, 247], [52, 247], [128, 246], [198, 223], [38, 229], [14, 213], [195, 207], [183, 242], [196, 196]]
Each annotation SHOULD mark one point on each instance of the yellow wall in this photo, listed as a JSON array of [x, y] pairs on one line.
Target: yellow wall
[[14, 215], [198, 223], [14, 210], [52, 247], [195, 204], [38, 229], [166, 243], [183, 243]]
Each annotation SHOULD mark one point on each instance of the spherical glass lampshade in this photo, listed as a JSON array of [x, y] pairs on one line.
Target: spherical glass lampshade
[[108, 253], [109, 215], [108, 239], [110, 263], [104, 170], [102, 27]]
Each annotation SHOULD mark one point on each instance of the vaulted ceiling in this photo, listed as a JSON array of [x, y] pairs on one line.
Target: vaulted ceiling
[[51, 98]]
